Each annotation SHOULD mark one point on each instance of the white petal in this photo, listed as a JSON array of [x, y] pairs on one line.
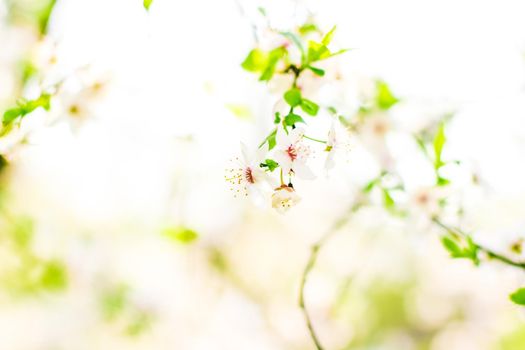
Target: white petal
[[296, 135], [303, 171], [330, 163], [245, 153], [284, 161], [283, 140]]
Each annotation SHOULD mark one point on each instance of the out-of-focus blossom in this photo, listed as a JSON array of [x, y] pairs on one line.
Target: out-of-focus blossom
[[373, 130], [427, 201], [337, 142]]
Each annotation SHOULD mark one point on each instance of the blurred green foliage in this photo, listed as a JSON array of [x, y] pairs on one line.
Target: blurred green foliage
[[31, 12], [29, 274], [181, 234], [117, 307]]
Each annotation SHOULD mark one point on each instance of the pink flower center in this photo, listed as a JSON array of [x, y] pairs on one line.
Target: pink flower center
[[291, 151], [248, 174]]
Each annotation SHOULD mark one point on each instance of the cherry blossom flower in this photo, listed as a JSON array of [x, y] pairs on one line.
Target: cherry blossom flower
[[292, 154], [247, 178], [283, 198], [337, 141]]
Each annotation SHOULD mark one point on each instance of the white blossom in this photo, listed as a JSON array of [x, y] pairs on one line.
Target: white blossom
[[246, 176], [283, 198], [292, 153]]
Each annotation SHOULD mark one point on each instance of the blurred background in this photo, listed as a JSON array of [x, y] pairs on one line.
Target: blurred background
[[118, 231]]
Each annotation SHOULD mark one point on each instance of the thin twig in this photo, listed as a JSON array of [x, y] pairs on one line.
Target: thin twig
[[491, 254], [312, 259]]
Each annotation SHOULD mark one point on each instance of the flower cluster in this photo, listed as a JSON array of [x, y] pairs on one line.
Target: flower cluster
[[287, 149]]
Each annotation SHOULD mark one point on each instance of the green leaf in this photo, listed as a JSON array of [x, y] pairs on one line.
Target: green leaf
[[388, 201], [439, 142], [277, 118], [384, 98], [370, 185], [270, 164], [317, 51], [441, 181], [147, 4], [293, 97], [273, 59], [309, 107], [451, 246], [11, 114], [256, 61], [181, 234], [328, 37], [461, 247], [292, 119], [44, 14], [26, 107], [270, 139], [54, 275], [308, 28], [317, 71], [518, 297]]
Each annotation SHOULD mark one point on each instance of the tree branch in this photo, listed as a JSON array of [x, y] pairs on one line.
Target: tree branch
[[312, 259], [491, 254]]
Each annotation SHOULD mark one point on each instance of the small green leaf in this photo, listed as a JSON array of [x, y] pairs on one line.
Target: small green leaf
[[327, 39], [308, 28], [317, 71], [292, 119], [11, 114], [181, 234], [270, 139], [25, 107], [273, 59], [518, 296], [317, 51], [256, 61], [270, 164], [54, 275], [293, 97], [277, 118], [461, 247], [439, 141], [452, 247], [441, 181], [44, 14], [370, 185], [388, 201], [147, 4], [384, 98], [309, 107]]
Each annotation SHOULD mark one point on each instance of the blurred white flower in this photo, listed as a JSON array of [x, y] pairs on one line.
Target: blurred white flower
[[337, 142], [292, 154], [76, 108], [283, 198], [372, 131], [426, 201], [48, 62], [246, 176]]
